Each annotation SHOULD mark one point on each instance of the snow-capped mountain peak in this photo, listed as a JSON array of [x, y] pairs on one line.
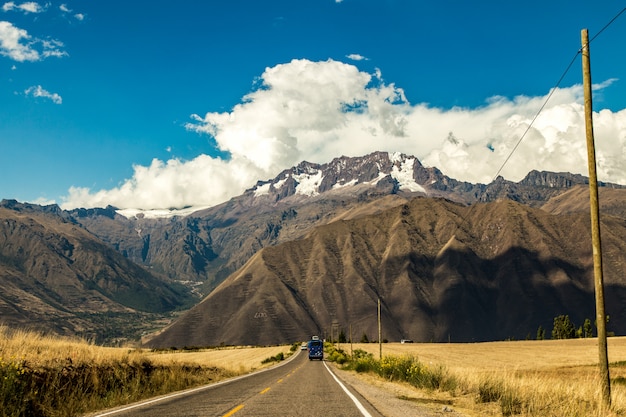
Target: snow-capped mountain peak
[[397, 172]]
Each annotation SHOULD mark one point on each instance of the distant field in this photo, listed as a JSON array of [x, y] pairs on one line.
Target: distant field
[[494, 356], [550, 377], [235, 359]]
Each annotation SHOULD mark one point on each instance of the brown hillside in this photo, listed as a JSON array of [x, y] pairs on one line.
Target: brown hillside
[[612, 201], [443, 271], [56, 276]]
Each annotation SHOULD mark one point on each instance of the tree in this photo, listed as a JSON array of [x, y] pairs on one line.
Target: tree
[[541, 333], [587, 329], [364, 338], [563, 328], [342, 337]]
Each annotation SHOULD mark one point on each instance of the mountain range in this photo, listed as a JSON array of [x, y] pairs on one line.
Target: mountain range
[[315, 248]]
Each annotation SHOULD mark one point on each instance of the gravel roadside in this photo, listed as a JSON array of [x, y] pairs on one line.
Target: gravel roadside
[[395, 400]]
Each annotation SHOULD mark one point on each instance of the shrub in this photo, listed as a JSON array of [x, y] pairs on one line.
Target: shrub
[[279, 357], [401, 368], [510, 404], [489, 391]]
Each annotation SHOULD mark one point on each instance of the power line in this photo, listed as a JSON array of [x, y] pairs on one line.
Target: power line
[[552, 92], [608, 24], [532, 122]]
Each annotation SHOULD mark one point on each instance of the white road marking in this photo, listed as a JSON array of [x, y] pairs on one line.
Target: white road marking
[[352, 397]]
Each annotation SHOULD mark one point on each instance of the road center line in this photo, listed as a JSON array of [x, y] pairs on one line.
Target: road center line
[[352, 397], [265, 390], [233, 411], [191, 390]]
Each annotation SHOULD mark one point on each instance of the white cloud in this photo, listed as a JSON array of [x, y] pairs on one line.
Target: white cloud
[[316, 111], [27, 7], [201, 181], [12, 46], [39, 91], [30, 7], [356, 57], [77, 16], [18, 45]]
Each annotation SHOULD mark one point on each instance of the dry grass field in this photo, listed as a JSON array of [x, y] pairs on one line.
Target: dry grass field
[[47, 376], [238, 360], [51, 376], [504, 356], [38, 351], [546, 378]]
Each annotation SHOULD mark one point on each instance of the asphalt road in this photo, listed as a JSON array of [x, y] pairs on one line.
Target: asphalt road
[[297, 387]]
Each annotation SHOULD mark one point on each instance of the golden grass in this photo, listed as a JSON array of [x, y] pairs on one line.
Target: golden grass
[[540, 378], [536, 378], [489, 356], [234, 359], [52, 376], [40, 350]]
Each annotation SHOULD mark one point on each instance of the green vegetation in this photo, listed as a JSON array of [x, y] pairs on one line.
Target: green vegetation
[[563, 328], [395, 368], [541, 333], [277, 358], [510, 394]]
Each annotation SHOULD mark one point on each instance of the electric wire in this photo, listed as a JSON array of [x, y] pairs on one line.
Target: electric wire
[[608, 24], [556, 86], [545, 102]]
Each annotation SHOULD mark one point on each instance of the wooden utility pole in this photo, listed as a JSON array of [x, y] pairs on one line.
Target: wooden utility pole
[[380, 334], [605, 380], [351, 339]]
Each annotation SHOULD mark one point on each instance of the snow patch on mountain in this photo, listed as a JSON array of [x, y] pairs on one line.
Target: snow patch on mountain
[[396, 157], [262, 190], [381, 175], [347, 184], [279, 183], [404, 175], [158, 213], [308, 183]]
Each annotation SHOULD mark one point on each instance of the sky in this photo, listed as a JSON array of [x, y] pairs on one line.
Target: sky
[[156, 105]]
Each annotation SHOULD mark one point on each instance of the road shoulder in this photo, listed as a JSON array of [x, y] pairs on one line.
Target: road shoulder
[[392, 399]]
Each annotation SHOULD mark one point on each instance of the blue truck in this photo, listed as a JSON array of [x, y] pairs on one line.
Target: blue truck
[[316, 349]]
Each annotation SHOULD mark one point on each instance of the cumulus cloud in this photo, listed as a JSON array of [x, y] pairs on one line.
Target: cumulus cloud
[[18, 45], [39, 91], [12, 46], [27, 7], [316, 111]]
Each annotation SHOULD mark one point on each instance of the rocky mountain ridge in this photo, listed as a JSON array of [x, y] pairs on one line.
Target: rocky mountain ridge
[[443, 272], [199, 251], [203, 248]]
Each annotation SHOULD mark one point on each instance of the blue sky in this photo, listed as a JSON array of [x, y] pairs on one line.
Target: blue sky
[[170, 104]]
